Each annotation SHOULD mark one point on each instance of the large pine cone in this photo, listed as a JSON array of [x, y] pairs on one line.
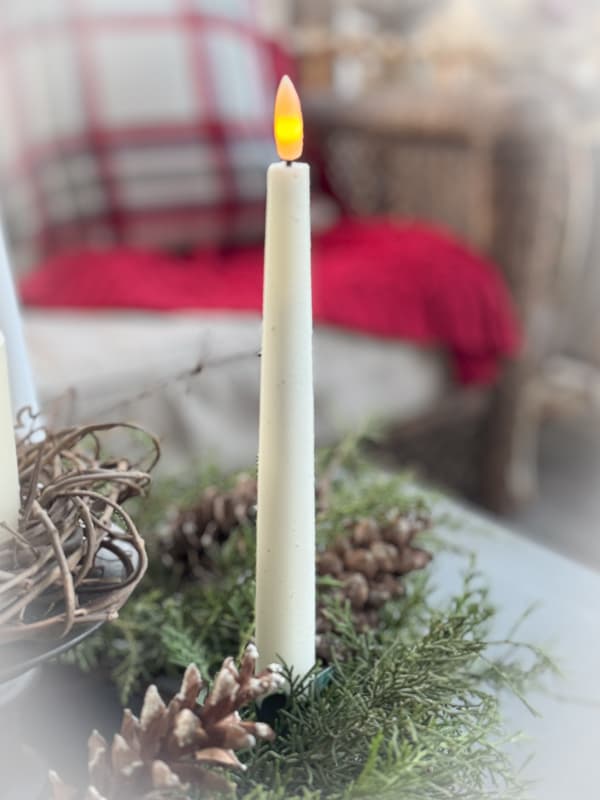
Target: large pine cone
[[171, 746]]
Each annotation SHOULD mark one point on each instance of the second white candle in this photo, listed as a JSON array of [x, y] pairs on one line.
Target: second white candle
[[9, 478], [285, 598]]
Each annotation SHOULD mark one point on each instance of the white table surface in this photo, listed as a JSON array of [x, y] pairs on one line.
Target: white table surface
[[565, 740]]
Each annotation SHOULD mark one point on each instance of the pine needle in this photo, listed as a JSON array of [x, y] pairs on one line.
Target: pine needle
[[412, 713]]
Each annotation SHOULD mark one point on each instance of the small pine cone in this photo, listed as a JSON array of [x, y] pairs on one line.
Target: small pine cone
[[172, 745], [186, 541], [370, 562]]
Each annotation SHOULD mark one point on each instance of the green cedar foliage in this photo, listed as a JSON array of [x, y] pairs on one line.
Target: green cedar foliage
[[412, 713]]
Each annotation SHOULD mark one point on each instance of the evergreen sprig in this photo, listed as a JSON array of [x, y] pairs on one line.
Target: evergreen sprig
[[404, 717], [412, 712]]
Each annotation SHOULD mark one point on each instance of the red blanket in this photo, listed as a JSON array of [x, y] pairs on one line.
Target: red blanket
[[406, 282]]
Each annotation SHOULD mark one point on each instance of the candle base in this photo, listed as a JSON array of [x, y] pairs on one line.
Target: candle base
[[268, 710]]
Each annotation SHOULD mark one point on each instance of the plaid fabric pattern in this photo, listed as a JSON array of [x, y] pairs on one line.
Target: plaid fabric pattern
[[145, 122]]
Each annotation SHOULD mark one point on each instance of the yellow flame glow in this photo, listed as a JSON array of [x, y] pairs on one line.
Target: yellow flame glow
[[288, 127]]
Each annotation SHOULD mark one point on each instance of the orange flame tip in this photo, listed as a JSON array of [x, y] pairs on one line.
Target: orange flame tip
[[288, 127]]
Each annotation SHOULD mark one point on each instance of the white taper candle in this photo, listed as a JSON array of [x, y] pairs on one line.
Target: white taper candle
[[9, 478], [21, 381], [285, 572]]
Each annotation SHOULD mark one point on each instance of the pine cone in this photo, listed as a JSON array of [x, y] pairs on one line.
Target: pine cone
[[186, 540], [369, 562], [173, 745], [184, 544]]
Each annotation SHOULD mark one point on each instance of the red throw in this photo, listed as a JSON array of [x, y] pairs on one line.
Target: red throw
[[395, 281]]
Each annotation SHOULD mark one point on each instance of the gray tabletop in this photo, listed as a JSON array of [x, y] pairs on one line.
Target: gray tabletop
[[564, 741]]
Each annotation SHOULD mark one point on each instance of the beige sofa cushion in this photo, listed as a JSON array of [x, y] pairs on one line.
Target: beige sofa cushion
[[92, 367]]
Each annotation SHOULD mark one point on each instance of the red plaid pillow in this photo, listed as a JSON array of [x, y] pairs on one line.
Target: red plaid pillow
[[145, 122]]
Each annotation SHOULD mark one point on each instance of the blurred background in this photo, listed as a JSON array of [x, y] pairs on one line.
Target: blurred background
[[454, 147]]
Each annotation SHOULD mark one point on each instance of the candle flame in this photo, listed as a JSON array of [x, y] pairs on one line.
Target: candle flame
[[288, 127]]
